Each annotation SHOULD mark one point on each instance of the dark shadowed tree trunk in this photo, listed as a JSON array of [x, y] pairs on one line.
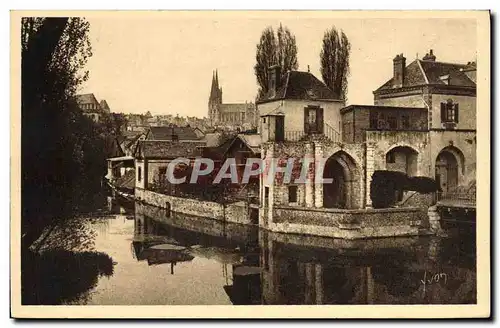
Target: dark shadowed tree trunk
[[62, 152], [40, 40]]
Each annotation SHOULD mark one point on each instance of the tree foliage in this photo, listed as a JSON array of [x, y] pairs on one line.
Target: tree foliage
[[334, 58], [62, 152], [278, 48]]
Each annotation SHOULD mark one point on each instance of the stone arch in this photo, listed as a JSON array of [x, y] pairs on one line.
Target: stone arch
[[449, 168], [403, 158], [459, 156], [344, 191]]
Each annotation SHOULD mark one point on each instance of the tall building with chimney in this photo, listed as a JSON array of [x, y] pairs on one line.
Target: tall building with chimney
[[242, 115]]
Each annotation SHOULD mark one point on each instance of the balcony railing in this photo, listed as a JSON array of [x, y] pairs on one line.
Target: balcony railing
[[294, 135], [457, 198], [329, 133], [332, 134]]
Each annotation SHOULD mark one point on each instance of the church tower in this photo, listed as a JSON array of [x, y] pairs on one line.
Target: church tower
[[215, 100]]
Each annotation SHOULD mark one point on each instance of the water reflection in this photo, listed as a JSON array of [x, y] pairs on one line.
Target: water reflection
[[179, 259], [385, 271]]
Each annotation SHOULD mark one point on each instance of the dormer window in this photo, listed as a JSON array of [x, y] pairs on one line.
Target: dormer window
[[445, 79], [311, 94]]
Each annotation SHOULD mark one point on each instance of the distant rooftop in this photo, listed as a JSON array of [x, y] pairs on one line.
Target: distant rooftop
[[168, 149], [166, 132]]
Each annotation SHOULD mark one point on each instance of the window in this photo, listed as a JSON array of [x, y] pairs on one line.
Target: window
[[139, 174], [393, 123], [263, 120], [449, 112], [390, 158], [266, 193], [292, 194], [311, 117], [405, 121], [313, 120]]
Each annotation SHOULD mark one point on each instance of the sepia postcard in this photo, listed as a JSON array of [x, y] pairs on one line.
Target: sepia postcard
[[229, 164]]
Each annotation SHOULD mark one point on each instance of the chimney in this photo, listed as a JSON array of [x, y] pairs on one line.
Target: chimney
[[430, 56], [399, 70], [274, 79]]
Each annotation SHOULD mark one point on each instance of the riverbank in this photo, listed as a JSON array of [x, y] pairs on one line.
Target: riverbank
[[325, 222], [237, 212]]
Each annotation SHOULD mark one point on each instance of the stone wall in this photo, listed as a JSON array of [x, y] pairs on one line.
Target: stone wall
[[245, 234], [311, 194], [349, 224], [384, 141], [235, 212], [463, 142], [348, 127], [466, 109], [154, 170], [403, 99], [415, 199]]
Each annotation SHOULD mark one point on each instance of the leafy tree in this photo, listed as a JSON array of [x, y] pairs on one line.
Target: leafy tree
[[274, 49], [62, 152], [335, 61], [286, 50]]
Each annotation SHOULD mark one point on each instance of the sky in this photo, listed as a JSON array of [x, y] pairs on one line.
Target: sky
[[164, 63]]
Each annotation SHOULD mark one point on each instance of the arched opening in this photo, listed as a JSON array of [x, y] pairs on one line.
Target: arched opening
[[449, 163], [402, 159], [341, 168]]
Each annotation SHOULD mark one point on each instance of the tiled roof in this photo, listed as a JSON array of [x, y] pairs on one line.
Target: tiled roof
[[169, 149], [104, 105], [87, 98], [435, 70], [424, 72], [166, 132], [253, 141], [303, 86], [213, 139]]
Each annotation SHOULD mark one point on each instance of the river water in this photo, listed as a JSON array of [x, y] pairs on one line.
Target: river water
[[160, 260]]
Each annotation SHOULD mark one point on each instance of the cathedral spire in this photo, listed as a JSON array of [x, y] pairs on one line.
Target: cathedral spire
[[214, 90]]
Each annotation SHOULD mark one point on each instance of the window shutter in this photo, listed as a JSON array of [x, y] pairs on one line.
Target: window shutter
[[319, 120], [443, 112], [306, 123], [456, 112]]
